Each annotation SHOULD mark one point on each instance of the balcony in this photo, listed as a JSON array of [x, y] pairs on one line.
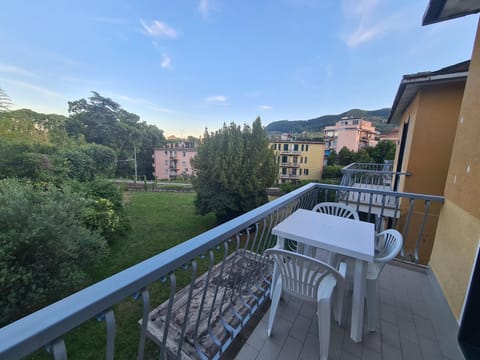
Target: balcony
[[414, 323], [215, 286], [290, 152], [290, 176], [375, 177], [290, 164]]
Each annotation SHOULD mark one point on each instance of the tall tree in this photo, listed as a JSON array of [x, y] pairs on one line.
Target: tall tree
[[234, 167], [102, 121], [5, 101]]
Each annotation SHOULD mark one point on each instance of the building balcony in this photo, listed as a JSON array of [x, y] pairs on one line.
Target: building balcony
[[203, 297], [290, 164], [289, 176], [290, 152]]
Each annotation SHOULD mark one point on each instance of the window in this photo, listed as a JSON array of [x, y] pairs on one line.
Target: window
[[295, 159], [303, 147], [184, 154], [306, 159], [306, 147], [284, 171], [284, 159], [295, 147], [301, 159], [274, 146], [285, 147], [294, 171], [305, 171], [166, 152]]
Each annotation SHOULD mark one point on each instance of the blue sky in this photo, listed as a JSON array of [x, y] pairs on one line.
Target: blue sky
[[186, 64]]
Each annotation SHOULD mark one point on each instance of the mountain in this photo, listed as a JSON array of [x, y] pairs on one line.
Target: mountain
[[378, 117]]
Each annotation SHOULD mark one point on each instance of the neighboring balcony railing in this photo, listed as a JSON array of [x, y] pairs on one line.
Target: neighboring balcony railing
[[290, 164], [369, 175], [290, 152], [214, 282]]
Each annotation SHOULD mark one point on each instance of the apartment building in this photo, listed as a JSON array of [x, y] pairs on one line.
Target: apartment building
[[353, 133], [454, 260], [426, 108], [298, 160], [173, 160]]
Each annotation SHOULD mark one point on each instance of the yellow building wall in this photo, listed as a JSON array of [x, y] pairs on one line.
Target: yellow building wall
[[458, 232], [432, 118], [315, 156]]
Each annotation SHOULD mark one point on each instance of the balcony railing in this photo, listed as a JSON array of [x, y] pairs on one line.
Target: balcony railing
[[370, 175], [226, 275], [290, 152], [290, 164]]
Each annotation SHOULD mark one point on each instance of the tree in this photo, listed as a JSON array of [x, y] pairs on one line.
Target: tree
[[345, 156], [5, 101], [234, 167], [46, 250], [384, 150], [362, 156], [101, 120], [332, 158]]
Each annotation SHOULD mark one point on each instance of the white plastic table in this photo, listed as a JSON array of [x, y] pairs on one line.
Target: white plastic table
[[348, 237]]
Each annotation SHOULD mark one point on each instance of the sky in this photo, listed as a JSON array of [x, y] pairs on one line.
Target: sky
[[189, 64]]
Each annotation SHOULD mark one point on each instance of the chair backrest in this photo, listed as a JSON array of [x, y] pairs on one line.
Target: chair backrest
[[301, 275], [336, 209], [389, 244]]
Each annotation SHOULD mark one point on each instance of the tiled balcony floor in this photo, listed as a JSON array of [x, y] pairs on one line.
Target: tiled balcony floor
[[414, 323]]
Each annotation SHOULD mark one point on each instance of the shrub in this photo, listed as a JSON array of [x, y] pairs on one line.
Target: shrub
[[332, 172], [104, 205], [45, 247]]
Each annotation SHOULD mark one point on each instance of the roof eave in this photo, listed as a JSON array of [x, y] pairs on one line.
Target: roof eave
[[396, 113], [433, 13]]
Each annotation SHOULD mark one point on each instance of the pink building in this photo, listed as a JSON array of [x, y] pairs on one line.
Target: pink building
[[353, 133], [173, 160]]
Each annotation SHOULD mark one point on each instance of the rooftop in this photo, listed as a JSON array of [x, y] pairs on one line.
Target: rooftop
[[411, 84]]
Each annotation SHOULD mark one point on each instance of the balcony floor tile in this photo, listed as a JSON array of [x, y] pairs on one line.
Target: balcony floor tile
[[414, 323]]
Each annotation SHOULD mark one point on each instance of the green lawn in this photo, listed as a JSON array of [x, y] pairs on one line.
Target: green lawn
[[159, 221]]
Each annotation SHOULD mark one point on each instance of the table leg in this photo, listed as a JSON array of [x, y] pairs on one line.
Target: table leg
[[280, 245], [358, 301]]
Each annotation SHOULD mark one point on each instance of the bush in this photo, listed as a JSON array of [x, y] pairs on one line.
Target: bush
[[332, 172], [45, 247], [104, 207]]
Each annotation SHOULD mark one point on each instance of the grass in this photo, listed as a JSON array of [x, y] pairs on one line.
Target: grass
[[159, 221]]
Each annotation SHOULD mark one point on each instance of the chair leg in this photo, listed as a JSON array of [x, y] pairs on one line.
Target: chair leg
[[339, 296], [277, 292], [371, 296], [324, 318]]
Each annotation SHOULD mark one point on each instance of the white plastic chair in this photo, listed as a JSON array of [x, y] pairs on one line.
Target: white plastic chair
[[310, 280], [336, 209], [388, 245]]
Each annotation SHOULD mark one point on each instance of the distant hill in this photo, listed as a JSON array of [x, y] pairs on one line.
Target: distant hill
[[378, 117]]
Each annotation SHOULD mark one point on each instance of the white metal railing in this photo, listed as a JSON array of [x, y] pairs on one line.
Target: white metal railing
[[371, 175], [234, 282]]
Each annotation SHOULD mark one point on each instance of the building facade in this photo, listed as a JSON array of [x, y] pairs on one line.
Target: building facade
[[298, 160], [353, 133], [426, 108], [174, 160], [457, 241]]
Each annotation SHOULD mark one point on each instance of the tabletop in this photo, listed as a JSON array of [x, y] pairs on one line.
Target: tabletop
[[343, 236]]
